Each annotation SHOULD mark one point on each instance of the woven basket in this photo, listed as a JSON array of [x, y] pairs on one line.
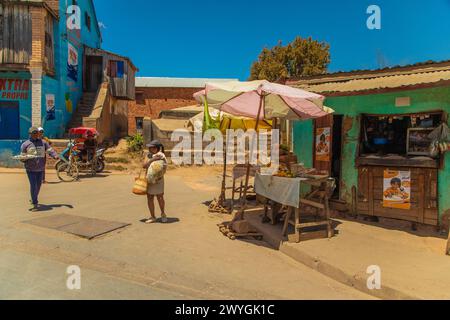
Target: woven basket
[[140, 185]]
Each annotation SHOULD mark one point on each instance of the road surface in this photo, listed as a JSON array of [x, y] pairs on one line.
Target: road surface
[[188, 259]]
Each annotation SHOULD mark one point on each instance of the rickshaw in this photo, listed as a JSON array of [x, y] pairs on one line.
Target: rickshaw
[[72, 160]]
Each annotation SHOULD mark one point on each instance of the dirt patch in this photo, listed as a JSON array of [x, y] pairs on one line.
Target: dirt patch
[[204, 178]]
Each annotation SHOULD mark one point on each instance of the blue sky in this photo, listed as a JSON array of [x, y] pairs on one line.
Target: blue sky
[[221, 38]]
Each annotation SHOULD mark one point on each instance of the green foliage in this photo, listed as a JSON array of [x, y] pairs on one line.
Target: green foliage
[[135, 143], [300, 58]]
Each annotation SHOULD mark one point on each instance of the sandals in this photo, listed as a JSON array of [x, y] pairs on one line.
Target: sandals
[[150, 221], [153, 220]]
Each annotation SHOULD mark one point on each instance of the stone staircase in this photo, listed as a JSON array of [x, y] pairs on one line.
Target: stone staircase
[[84, 109]]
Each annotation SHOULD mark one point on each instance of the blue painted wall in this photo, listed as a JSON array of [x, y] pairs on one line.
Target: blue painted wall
[[24, 104], [67, 91], [8, 149]]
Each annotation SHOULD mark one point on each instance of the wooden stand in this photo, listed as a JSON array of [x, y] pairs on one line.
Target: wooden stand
[[318, 200], [272, 212], [227, 230]]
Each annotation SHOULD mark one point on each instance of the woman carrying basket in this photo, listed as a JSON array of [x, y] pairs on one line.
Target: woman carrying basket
[[156, 164]]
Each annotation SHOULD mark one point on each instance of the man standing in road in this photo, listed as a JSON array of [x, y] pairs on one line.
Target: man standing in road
[[36, 148]]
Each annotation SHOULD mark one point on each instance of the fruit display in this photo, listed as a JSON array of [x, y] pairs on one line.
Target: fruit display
[[284, 172]]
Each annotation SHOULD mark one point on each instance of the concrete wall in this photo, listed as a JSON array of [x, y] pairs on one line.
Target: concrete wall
[[352, 107]]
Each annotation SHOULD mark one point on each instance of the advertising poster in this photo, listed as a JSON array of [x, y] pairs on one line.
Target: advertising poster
[[397, 189], [323, 144], [72, 63], [50, 107]]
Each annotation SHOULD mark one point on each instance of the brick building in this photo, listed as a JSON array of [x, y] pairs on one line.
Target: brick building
[[154, 95]]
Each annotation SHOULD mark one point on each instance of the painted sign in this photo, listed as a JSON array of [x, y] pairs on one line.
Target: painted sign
[[72, 63], [50, 104], [397, 189], [323, 144], [69, 105], [14, 89]]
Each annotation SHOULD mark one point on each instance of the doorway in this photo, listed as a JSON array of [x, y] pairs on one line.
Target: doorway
[[94, 73], [328, 148], [9, 120], [336, 156]]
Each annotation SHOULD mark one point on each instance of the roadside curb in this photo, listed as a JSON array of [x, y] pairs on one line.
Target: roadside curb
[[357, 281]]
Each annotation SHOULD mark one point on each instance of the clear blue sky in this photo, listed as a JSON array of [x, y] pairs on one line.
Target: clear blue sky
[[221, 38]]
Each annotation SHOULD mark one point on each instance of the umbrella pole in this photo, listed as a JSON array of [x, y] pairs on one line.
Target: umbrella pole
[[240, 216], [224, 176]]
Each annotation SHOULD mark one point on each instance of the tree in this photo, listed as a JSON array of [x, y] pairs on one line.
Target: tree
[[301, 57]]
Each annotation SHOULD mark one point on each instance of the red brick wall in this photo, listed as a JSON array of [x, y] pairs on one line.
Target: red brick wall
[[165, 93], [151, 101]]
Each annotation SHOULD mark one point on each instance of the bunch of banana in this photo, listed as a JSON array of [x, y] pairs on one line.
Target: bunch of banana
[[439, 147]]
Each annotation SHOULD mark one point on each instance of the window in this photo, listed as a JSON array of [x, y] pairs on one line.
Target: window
[[116, 69], [139, 124], [140, 97], [390, 134], [87, 20], [49, 59]]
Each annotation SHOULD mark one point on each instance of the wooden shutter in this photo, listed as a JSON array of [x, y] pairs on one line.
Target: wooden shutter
[[15, 34]]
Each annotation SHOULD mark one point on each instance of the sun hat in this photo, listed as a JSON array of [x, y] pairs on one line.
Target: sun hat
[[33, 130], [154, 144]]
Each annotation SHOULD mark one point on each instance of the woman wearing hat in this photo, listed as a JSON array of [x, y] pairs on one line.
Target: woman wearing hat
[[156, 153]]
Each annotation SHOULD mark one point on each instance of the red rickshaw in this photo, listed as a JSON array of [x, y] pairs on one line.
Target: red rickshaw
[[75, 157]]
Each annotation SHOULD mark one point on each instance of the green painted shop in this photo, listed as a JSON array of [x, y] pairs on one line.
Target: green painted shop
[[386, 142]]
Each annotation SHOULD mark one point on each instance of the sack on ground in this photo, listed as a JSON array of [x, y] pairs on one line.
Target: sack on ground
[[156, 171]]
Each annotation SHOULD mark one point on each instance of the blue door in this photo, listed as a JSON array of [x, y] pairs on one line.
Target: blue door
[[9, 120]]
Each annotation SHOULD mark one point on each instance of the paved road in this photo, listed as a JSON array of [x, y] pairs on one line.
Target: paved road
[[188, 259]]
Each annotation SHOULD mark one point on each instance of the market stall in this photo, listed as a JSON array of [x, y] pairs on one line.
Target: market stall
[[308, 213], [398, 162], [261, 100]]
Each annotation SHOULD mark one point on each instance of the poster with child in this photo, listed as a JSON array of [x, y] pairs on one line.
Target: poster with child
[[323, 144], [397, 189]]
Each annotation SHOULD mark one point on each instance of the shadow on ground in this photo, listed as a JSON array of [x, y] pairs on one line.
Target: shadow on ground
[[169, 220], [44, 207]]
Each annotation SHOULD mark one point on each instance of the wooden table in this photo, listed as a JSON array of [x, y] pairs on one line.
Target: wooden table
[[286, 191]]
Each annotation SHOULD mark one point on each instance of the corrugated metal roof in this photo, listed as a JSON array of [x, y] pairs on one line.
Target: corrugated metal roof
[[359, 81], [155, 82]]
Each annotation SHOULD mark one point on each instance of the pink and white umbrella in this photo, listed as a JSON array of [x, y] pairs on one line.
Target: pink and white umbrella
[[263, 100]]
